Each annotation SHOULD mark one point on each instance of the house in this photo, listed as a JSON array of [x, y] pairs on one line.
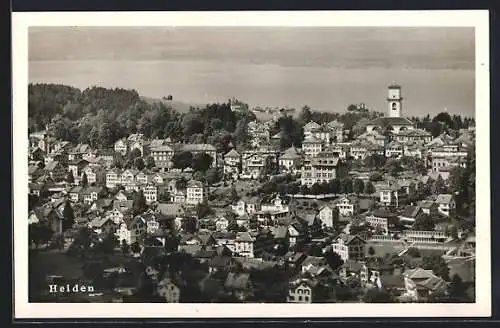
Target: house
[[75, 194], [127, 177], [389, 193], [103, 225], [410, 214], [354, 269], [326, 216], [56, 171], [446, 204], [253, 162], [150, 192], [428, 207], [301, 291], [394, 149], [47, 215], [232, 163], [347, 205], [247, 205], [310, 263], [121, 146], [374, 137], [244, 244], [113, 178], [421, 283], [220, 263], [76, 167], [34, 172], [162, 155], [349, 247], [221, 224], [321, 168], [312, 146], [168, 290], [195, 192], [379, 220], [95, 175], [294, 235], [290, 160]]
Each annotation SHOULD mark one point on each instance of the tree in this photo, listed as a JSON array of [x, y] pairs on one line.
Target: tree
[[70, 178], [346, 186], [393, 167], [413, 252], [305, 115], [234, 194], [134, 153], [438, 186], [150, 162], [358, 186], [352, 108], [135, 247], [139, 203], [213, 175], [109, 243], [371, 251], [369, 188], [333, 259], [125, 247], [375, 295], [376, 177], [437, 264], [39, 233], [139, 163], [182, 160], [424, 222], [202, 162], [203, 210], [68, 216], [458, 290], [85, 180]]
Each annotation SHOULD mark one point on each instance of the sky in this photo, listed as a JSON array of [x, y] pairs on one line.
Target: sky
[[326, 68]]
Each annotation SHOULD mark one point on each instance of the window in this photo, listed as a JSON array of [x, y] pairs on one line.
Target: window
[[307, 298], [300, 298]]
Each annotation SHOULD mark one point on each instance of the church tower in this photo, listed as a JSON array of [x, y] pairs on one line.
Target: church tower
[[395, 101]]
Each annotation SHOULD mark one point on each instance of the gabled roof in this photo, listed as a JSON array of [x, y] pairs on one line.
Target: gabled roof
[[244, 237], [290, 153], [311, 139], [381, 121], [419, 273], [194, 184], [51, 166], [444, 198], [411, 211], [311, 125], [232, 154]]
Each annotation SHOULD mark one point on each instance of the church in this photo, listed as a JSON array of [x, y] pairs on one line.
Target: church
[[394, 117]]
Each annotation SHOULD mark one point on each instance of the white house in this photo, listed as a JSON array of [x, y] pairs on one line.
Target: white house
[[195, 192], [446, 204]]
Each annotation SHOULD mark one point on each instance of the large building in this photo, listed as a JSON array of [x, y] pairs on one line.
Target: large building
[[394, 119], [319, 169]]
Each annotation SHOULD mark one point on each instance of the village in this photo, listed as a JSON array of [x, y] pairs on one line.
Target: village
[[382, 214]]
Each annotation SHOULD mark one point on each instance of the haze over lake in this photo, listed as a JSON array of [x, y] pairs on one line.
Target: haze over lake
[[325, 68]]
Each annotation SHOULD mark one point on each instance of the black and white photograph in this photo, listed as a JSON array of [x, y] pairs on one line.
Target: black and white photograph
[[266, 165]]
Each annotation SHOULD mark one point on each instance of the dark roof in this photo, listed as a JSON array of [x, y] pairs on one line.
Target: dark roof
[[411, 211], [381, 121]]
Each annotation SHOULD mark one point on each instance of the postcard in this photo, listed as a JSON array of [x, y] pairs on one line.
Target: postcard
[[251, 164]]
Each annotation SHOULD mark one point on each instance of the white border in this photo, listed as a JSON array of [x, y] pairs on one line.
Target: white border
[[20, 23]]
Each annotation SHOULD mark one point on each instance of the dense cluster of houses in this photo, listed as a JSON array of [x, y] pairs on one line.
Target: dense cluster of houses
[[267, 231]]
